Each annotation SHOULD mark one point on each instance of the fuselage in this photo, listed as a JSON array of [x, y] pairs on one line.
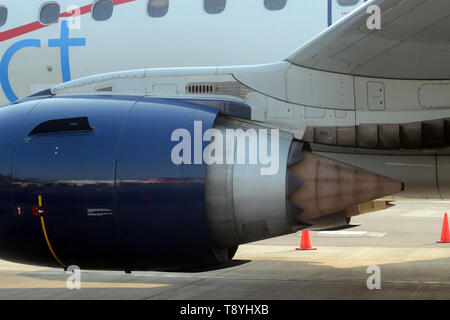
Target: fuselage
[[35, 56]]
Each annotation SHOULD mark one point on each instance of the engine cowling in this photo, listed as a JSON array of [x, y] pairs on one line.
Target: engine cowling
[[308, 191], [90, 181]]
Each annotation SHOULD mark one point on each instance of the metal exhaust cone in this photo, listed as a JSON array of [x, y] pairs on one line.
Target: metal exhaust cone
[[305, 243], [330, 186], [445, 236]]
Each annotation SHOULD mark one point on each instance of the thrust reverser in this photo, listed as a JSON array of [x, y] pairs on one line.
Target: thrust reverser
[[89, 181]]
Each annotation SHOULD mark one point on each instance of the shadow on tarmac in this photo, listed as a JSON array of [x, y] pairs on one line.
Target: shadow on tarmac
[[257, 279]]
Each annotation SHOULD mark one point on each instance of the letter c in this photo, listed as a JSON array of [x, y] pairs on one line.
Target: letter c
[[4, 65]]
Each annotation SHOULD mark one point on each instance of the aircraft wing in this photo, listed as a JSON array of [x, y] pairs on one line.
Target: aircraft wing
[[413, 42]]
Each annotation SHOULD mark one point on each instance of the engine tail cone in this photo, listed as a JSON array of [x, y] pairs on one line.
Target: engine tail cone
[[330, 186]]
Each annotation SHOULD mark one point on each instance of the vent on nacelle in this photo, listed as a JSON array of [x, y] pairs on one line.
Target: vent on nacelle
[[104, 89], [201, 88]]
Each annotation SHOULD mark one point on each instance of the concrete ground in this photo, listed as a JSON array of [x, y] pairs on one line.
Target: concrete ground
[[401, 241]]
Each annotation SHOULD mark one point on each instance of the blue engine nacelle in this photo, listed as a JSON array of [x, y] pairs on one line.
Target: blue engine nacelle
[[111, 197], [90, 181]]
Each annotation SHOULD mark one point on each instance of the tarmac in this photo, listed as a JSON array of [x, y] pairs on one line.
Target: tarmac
[[399, 242]]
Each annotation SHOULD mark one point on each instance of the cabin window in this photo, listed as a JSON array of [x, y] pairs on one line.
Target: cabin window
[[49, 13], [157, 8], [346, 3], [214, 6], [102, 10], [275, 4], [3, 15]]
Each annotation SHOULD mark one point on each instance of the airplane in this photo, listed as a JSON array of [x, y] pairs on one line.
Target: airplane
[[351, 112]]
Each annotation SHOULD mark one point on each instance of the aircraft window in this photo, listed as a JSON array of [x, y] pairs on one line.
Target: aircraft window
[[275, 4], [3, 15], [157, 8], [214, 6], [347, 2], [102, 10], [49, 13]]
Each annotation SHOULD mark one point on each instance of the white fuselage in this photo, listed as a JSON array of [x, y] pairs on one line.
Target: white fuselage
[[187, 36]]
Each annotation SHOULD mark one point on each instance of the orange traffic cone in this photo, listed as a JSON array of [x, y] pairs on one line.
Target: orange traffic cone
[[445, 237], [305, 243]]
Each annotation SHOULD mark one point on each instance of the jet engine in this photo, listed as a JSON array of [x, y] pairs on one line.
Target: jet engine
[[90, 181]]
